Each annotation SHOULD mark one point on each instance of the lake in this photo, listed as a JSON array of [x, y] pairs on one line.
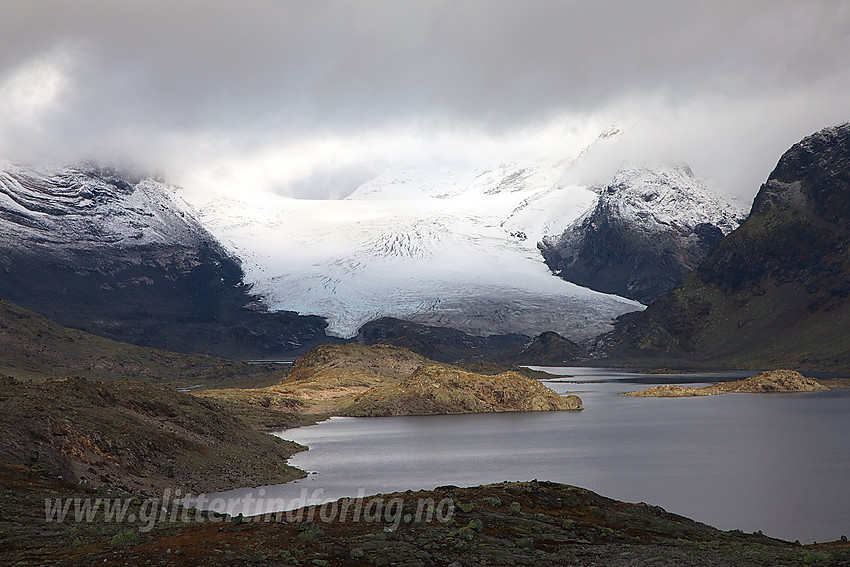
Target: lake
[[779, 463]]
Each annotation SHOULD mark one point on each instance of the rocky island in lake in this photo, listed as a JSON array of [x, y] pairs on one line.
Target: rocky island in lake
[[766, 382]]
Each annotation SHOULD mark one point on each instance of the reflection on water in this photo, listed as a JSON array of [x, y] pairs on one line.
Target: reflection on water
[[777, 463]]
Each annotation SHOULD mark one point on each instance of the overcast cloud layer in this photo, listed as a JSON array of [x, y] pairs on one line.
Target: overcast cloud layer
[[311, 98]]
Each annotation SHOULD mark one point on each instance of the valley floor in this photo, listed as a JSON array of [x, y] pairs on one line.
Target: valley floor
[[127, 443]]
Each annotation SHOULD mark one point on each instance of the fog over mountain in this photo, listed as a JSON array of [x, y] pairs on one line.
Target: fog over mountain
[[312, 99]]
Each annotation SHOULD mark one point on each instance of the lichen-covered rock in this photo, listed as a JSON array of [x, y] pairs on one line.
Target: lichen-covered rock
[[439, 389], [671, 391], [382, 380], [778, 381]]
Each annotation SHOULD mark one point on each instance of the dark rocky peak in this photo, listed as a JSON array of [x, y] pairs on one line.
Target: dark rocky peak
[[817, 170], [777, 289], [798, 227]]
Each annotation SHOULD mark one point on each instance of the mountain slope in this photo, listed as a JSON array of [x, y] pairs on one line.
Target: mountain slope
[[33, 347], [123, 257], [137, 437], [775, 291], [442, 344], [650, 227]]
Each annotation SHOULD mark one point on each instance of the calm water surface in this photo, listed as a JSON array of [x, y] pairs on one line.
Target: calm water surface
[[778, 463]]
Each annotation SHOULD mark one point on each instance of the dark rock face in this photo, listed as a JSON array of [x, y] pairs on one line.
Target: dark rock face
[[442, 344], [650, 227], [445, 344], [775, 289], [546, 349], [123, 257], [799, 227]]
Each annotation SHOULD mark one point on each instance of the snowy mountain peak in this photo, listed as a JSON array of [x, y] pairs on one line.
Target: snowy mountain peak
[[85, 205], [122, 256], [650, 226], [660, 196]]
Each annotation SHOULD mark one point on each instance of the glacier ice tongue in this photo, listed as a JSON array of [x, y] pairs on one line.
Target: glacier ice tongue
[[457, 250]]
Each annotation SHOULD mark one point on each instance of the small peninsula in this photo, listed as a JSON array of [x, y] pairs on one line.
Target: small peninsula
[[383, 380]]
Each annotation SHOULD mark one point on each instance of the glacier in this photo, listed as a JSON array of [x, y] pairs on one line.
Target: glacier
[[450, 247]]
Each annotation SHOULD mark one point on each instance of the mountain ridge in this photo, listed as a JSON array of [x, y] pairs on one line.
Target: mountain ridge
[[448, 345], [775, 291]]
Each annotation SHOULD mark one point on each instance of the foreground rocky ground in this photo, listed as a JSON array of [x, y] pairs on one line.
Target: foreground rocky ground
[[142, 438], [527, 523]]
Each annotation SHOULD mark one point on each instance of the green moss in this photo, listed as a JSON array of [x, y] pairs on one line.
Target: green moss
[[125, 537]]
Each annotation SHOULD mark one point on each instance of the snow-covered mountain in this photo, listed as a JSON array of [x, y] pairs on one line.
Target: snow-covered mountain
[[454, 248], [123, 256], [65, 211], [126, 257], [648, 228]]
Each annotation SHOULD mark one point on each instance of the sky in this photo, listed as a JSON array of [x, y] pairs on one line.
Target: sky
[[309, 99]]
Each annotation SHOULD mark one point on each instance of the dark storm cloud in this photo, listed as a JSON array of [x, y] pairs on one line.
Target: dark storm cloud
[[254, 73]]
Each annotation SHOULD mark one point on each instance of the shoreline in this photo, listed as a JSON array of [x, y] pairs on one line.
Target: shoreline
[[585, 539]]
